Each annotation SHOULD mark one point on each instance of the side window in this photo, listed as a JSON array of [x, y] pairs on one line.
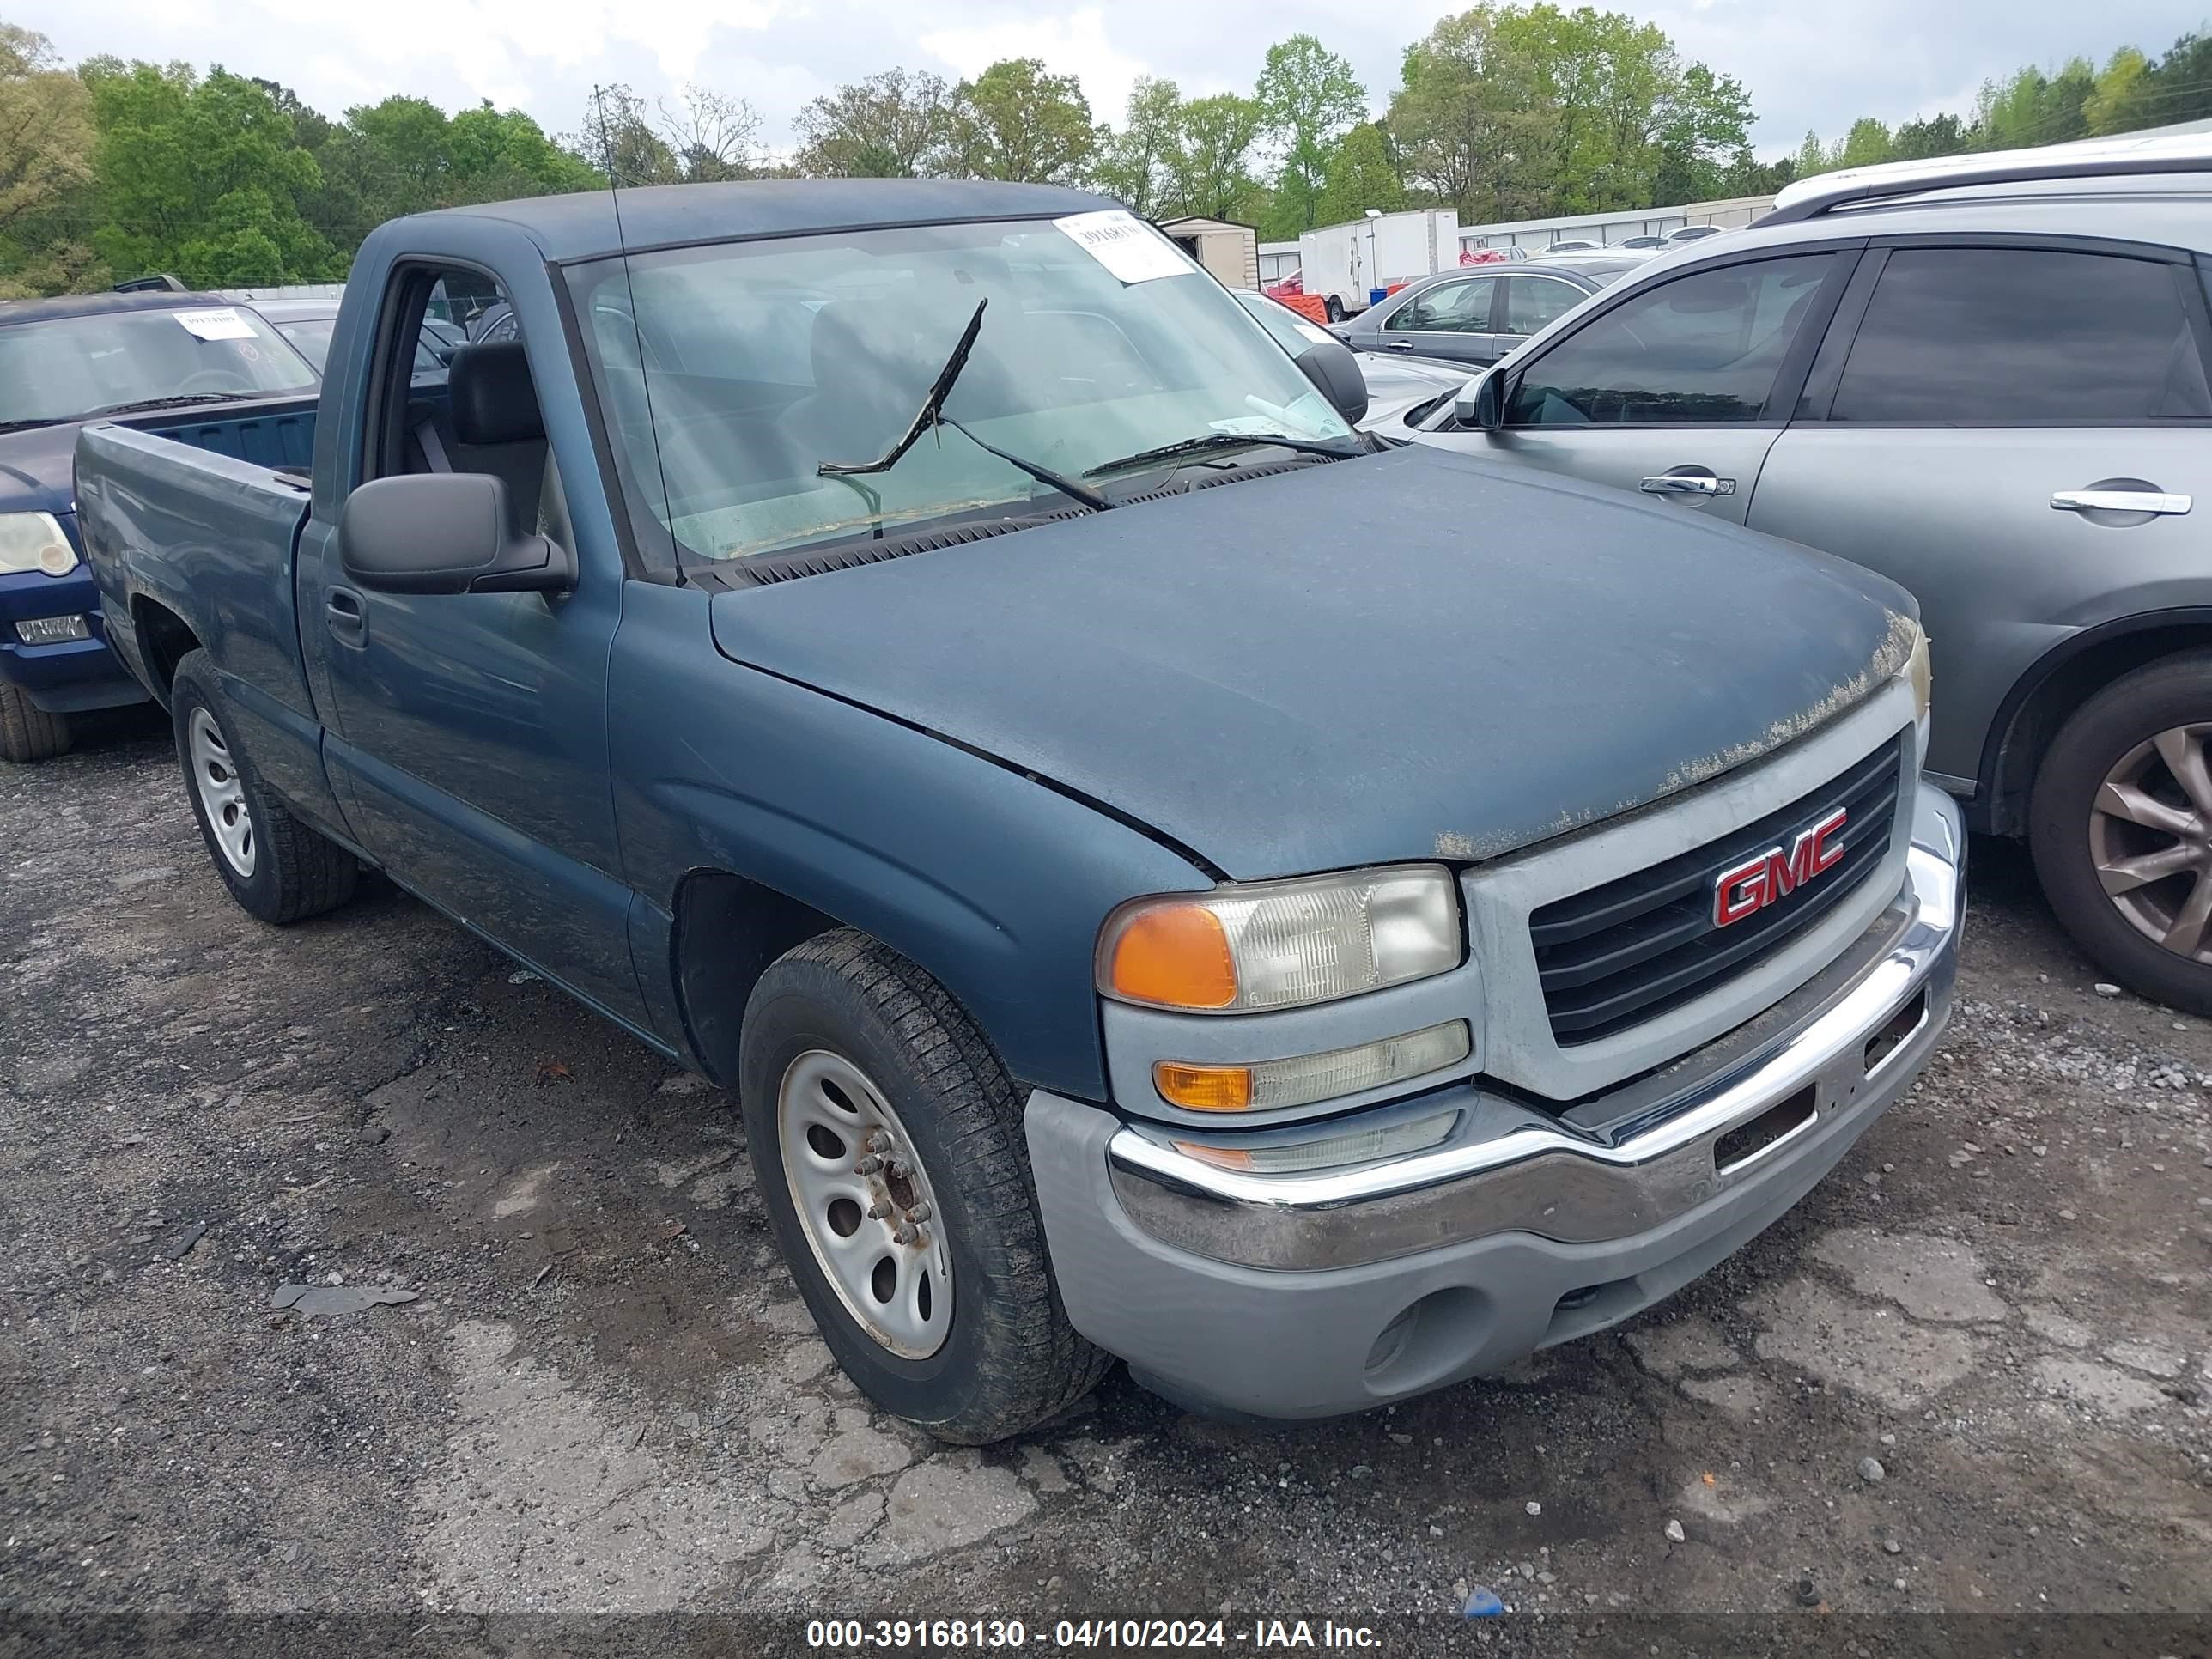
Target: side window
[[2006, 336], [1701, 350], [1534, 302], [1449, 308]]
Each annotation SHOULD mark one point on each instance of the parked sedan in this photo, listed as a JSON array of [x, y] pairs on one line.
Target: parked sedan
[[1474, 315], [1396, 387]]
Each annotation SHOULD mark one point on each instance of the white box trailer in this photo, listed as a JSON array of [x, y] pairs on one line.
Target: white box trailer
[[1345, 264]]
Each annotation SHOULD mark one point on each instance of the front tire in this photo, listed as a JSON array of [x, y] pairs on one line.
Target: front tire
[[276, 867], [887, 1145], [1335, 307], [29, 732], [2121, 827]]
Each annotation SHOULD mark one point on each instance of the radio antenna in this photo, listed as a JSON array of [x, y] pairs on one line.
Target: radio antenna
[[607, 157]]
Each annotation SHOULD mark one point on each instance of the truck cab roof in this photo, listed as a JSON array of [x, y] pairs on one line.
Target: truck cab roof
[[584, 226]]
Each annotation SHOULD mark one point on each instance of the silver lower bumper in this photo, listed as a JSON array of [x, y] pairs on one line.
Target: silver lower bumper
[[1507, 1167]]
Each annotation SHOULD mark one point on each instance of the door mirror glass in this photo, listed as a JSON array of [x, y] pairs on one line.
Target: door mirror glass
[[445, 532], [1481, 405]]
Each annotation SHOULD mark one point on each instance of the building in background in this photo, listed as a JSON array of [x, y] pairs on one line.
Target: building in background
[[1229, 249]]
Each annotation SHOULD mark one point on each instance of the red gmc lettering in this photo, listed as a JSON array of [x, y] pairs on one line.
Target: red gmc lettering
[[1767, 877]]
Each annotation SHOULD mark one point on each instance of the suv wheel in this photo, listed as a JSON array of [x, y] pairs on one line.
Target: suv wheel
[[28, 733], [887, 1143], [2121, 825]]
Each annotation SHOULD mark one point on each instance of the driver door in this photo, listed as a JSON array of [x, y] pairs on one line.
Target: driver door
[[1677, 390]]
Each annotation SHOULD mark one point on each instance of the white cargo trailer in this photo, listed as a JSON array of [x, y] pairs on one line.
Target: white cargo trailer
[[1345, 264]]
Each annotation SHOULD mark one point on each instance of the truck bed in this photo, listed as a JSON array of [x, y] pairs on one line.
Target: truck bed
[[191, 520]]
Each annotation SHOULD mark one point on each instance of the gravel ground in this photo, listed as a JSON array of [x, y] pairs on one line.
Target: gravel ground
[[1970, 1373]]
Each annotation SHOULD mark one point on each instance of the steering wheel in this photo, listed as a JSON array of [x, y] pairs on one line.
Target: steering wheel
[[213, 380]]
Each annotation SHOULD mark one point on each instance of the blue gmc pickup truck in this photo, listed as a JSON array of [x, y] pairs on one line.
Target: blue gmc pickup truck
[[89, 356], [1159, 883]]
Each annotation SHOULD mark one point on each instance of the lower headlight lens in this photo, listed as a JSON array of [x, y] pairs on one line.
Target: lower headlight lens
[[1282, 944], [34, 541], [1265, 1086], [1330, 1152]]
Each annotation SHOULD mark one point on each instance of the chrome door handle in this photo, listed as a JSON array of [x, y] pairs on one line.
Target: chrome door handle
[[2120, 501], [1401, 345], [1687, 483]]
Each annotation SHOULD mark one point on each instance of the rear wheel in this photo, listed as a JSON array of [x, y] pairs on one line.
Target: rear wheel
[[2121, 825], [274, 867], [887, 1143], [29, 732]]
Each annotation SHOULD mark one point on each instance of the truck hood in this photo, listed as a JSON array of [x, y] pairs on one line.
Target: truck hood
[[1411, 655], [38, 469]]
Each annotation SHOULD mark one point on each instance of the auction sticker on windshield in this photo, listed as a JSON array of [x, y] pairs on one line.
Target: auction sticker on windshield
[[220, 324], [1132, 251]]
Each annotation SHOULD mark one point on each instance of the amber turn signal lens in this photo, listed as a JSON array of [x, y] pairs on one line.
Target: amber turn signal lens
[[1204, 1088], [1175, 954]]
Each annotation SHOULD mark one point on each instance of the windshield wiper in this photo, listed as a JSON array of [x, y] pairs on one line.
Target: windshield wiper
[[1208, 441], [179, 402], [932, 414]]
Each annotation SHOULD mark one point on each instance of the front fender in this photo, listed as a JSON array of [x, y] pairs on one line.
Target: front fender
[[995, 883]]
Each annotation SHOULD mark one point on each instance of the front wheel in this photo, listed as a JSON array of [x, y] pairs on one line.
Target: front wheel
[[274, 867], [29, 732], [887, 1143], [2121, 827], [1335, 307]]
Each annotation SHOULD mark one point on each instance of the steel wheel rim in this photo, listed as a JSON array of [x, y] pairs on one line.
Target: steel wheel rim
[[222, 795], [865, 1203], [2150, 839]]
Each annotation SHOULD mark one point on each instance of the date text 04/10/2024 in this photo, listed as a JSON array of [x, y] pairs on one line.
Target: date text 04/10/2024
[[857, 1635]]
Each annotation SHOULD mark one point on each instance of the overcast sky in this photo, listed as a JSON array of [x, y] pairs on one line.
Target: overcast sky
[[1805, 65]]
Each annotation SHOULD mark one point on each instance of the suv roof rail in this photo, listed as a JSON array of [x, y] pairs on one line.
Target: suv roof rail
[[2092, 158]]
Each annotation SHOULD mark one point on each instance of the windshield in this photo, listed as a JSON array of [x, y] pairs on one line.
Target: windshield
[[63, 369], [763, 360]]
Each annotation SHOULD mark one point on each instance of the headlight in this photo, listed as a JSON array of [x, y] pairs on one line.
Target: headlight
[[1282, 944], [1916, 670], [34, 541]]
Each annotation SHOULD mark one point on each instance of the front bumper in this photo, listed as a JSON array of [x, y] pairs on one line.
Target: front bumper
[[69, 677], [1308, 1294]]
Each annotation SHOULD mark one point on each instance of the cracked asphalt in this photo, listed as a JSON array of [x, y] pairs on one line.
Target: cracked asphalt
[[605, 1395]]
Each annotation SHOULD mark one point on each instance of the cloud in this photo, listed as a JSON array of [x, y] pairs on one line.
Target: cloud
[[1074, 44]]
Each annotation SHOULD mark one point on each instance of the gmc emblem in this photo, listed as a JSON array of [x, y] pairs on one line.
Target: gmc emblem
[[1767, 878]]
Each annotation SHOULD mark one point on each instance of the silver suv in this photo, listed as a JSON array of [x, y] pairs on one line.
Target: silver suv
[[1985, 377]]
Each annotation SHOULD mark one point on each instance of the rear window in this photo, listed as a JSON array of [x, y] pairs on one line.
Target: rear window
[[2008, 336]]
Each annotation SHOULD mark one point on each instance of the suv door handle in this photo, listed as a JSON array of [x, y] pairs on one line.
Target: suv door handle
[[2120, 501], [1687, 483]]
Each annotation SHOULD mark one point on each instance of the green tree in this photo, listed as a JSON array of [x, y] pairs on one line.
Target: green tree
[[2109, 106], [1362, 174], [1464, 118], [1934, 134], [2177, 87], [1867, 143], [200, 177], [1208, 168], [1017, 121], [1134, 163], [47, 140], [1702, 135], [1308, 97], [619, 140], [897, 124], [1813, 156]]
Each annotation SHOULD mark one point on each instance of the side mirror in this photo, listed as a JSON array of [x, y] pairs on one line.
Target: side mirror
[[1333, 368], [1481, 405], [445, 532]]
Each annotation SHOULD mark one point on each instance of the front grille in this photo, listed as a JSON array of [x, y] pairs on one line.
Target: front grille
[[1623, 952]]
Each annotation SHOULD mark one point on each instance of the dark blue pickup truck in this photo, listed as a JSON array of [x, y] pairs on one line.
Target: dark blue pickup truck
[[1159, 883], [90, 356]]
